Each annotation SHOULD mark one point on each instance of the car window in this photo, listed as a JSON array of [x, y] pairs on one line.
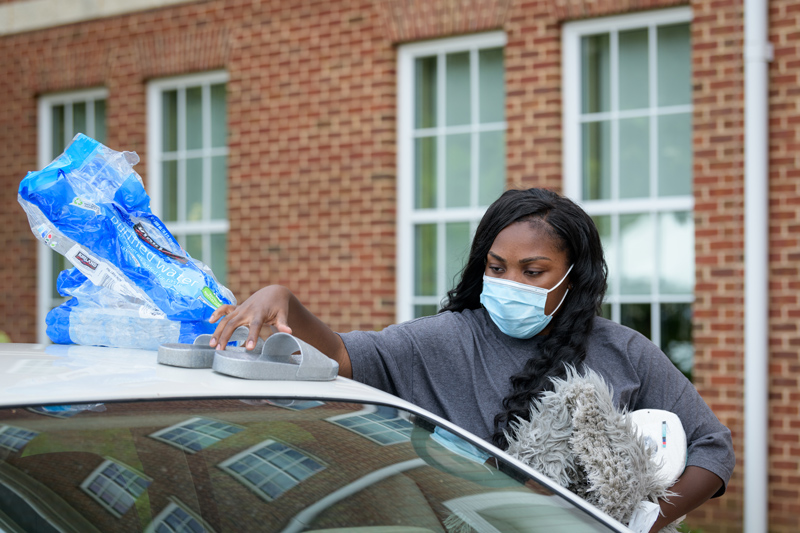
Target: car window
[[259, 465]]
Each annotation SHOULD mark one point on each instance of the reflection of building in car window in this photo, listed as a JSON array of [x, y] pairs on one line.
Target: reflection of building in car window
[[196, 433], [14, 438], [115, 486], [381, 424], [512, 511], [177, 518], [271, 468], [296, 405]]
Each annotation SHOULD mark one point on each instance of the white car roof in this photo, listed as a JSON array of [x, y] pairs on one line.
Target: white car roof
[[62, 374], [38, 374]]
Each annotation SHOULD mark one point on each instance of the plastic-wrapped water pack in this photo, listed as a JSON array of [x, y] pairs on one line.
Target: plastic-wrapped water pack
[[132, 285]]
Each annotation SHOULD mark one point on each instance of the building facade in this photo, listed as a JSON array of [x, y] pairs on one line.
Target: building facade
[[347, 149]]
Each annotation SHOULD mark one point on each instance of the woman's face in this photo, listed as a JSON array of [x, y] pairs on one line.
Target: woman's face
[[526, 253]]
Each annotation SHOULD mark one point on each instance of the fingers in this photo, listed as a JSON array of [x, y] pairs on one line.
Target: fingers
[[222, 333], [221, 311]]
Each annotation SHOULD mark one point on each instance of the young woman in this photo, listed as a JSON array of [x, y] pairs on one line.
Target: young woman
[[527, 305]]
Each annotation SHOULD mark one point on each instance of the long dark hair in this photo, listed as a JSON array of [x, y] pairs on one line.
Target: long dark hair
[[575, 233]]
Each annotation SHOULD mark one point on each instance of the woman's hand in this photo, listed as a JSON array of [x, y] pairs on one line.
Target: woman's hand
[[275, 306], [267, 307]]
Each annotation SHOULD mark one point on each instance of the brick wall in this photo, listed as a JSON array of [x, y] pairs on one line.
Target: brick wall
[[311, 111], [784, 253]]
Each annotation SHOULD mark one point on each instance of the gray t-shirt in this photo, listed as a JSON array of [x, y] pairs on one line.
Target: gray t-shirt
[[458, 365]]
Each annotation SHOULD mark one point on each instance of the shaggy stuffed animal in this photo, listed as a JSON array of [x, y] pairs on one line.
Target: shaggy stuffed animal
[[579, 439]]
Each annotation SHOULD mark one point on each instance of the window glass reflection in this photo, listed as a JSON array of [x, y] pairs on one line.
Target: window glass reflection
[[272, 463]]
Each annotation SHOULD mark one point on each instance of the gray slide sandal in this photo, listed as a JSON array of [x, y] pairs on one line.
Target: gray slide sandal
[[282, 357], [199, 354]]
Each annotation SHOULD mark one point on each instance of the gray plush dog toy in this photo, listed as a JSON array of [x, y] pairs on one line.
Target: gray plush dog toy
[[578, 438]]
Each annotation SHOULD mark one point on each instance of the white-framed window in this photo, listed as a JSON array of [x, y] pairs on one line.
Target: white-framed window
[[270, 468], [450, 158], [60, 117], [115, 486], [628, 161], [380, 424], [187, 166], [14, 439], [176, 517], [196, 433]]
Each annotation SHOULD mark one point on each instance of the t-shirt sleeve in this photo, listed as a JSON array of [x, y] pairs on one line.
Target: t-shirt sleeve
[[382, 359], [663, 386]]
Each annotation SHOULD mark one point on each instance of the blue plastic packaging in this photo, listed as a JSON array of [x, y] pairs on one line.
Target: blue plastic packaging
[[130, 273]]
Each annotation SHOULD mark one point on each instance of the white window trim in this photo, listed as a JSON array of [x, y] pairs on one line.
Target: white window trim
[[571, 79], [96, 472], [157, 435], [368, 409], [225, 465], [44, 255], [154, 160], [572, 149], [8, 429], [407, 216]]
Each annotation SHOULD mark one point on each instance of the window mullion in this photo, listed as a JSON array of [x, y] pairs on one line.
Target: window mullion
[[615, 146], [652, 42], [181, 123], [474, 122]]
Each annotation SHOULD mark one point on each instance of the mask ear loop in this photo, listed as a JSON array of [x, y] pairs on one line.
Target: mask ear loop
[[565, 294], [559, 303]]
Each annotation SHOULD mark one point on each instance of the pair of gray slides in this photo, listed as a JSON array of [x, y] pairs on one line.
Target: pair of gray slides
[[280, 357]]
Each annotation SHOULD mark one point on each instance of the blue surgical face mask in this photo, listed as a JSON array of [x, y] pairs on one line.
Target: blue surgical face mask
[[517, 308]]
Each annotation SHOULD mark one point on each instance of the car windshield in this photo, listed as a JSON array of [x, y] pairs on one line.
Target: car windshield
[[259, 465]]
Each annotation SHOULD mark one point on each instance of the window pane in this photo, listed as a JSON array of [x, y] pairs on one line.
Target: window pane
[[194, 245], [425, 173], [219, 121], [674, 65], [637, 262], [606, 311], [425, 310], [457, 86], [57, 140], [456, 250], [595, 71], [636, 316], [596, 139], [457, 175], [492, 90], [425, 259], [219, 257], [676, 335], [634, 158], [425, 92], [603, 223], [100, 120], [169, 190], [59, 263], [676, 257], [219, 187], [194, 118], [194, 189], [634, 84], [169, 131], [492, 166], [675, 154], [78, 118]]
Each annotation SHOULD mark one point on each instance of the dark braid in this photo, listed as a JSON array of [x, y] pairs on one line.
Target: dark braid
[[574, 232]]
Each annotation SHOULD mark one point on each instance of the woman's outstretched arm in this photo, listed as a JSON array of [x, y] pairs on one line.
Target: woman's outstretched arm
[[278, 307]]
